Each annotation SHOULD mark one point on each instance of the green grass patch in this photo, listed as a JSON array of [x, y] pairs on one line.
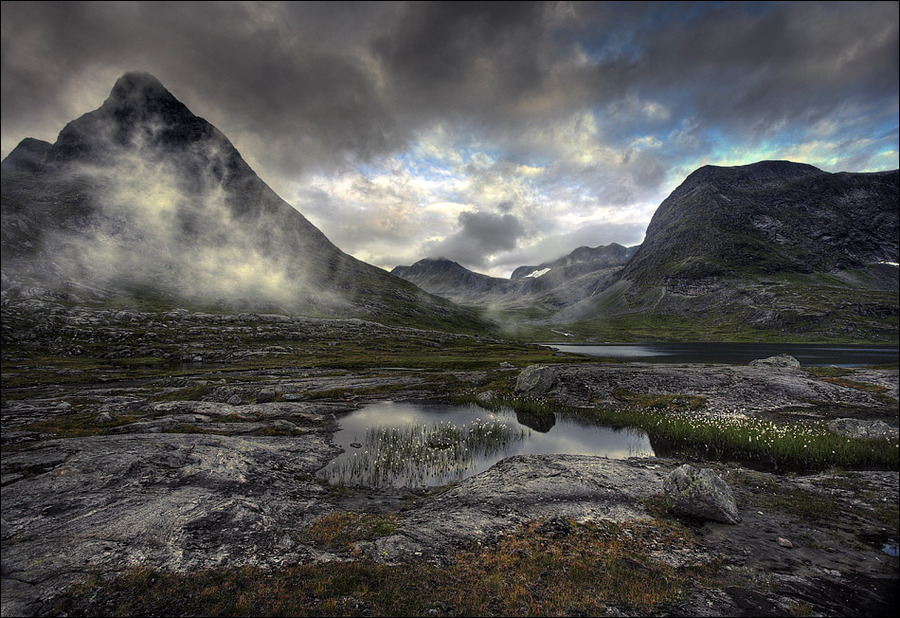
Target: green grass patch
[[860, 386], [790, 446], [341, 529], [669, 402], [77, 425], [191, 393], [420, 455], [827, 372]]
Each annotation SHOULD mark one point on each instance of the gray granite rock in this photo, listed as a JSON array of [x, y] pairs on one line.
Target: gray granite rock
[[700, 493], [535, 380], [780, 360]]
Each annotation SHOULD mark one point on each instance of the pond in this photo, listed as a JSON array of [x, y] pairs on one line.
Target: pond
[[809, 355], [427, 444]]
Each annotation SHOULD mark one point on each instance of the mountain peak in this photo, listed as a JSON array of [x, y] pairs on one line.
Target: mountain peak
[[139, 110], [759, 173], [136, 88], [139, 96]]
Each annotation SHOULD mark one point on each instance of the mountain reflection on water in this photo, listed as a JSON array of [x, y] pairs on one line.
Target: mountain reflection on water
[[809, 355], [427, 443]]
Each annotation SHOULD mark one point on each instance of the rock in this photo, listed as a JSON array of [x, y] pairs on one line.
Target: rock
[[234, 400], [866, 430], [485, 397], [555, 528], [284, 425], [699, 492], [265, 395], [781, 360], [505, 365], [784, 542], [535, 380]]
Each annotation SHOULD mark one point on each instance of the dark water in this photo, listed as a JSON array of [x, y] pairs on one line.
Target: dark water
[[809, 355], [364, 460]]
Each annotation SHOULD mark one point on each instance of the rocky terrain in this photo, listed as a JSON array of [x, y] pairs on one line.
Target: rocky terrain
[[209, 462], [179, 346]]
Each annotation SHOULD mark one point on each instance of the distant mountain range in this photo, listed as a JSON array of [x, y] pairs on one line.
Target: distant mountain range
[[546, 287], [775, 247], [142, 201]]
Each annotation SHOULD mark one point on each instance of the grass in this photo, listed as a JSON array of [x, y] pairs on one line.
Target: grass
[[191, 393], [340, 530], [534, 571], [670, 402], [420, 455], [790, 446], [77, 425]]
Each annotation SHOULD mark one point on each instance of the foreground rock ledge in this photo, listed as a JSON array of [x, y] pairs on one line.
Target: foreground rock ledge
[[185, 501], [521, 489]]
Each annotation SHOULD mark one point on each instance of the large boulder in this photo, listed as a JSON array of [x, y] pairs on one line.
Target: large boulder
[[781, 360], [535, 380], [700, 493], [865, 430]]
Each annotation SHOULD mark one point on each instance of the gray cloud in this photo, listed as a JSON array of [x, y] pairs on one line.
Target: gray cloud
[[480, 236], [608, 104]]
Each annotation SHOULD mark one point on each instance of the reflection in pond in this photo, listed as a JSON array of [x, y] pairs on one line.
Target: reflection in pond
[[539, 421], [419, 444]]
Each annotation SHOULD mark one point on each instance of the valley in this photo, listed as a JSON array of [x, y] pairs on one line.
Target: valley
[[180, 346]]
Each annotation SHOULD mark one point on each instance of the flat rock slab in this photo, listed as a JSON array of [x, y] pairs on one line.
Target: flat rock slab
[[521, 489], [175, 501], [726, 388]]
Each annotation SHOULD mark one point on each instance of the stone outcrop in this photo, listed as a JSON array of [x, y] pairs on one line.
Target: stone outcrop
[[521, 489], [700, 493], [867, 430], [535, 380], [780, 360]]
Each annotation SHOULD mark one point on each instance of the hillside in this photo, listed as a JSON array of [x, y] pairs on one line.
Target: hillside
[[142, 202], [778, 247]]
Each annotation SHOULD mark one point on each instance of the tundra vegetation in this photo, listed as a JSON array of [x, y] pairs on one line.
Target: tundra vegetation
[[542, 567]]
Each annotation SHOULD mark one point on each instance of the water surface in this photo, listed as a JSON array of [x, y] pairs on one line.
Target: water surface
[[364, 436], [809, 355]]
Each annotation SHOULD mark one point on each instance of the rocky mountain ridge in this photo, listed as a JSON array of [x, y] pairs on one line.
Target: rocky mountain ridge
[[547, 287], [772, 246]]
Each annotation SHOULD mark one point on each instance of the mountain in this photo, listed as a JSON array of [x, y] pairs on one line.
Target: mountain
[[141, 200], [581, 260], [769, 217], [774, 249], [545, 288], [449, 279], [775, 245]]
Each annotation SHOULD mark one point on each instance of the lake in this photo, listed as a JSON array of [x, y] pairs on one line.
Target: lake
[[809, 355], [427, 443]]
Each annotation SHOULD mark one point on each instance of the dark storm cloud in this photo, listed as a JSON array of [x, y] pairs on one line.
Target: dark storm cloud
[[480, 236], [323, 82], [283, 76], [604, 105], [464, 56]]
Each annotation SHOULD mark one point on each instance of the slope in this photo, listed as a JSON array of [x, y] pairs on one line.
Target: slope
[[142, 201]]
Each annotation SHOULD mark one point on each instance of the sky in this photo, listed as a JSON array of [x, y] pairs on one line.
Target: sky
[[493, 134]]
